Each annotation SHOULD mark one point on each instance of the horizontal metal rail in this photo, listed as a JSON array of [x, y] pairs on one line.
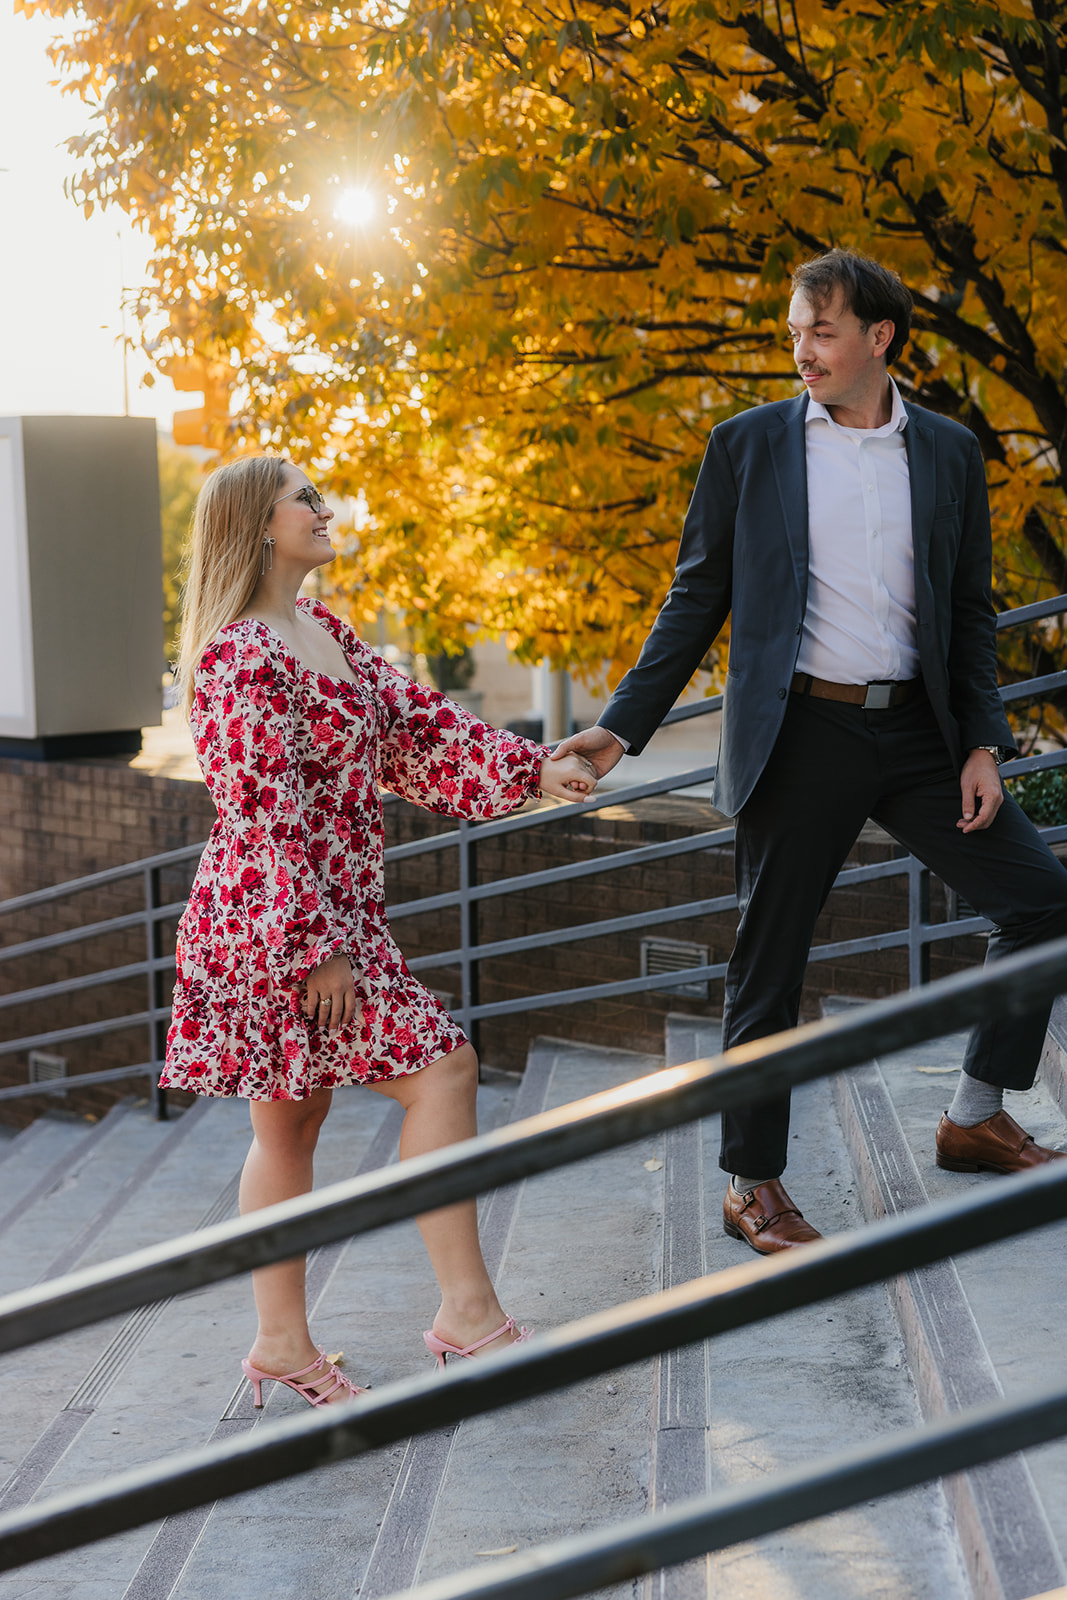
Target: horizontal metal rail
[[565, 812], [88, 980], [95, 880], [643, 855], [1056, 607], [83, 1030], [701, 708], [583, 930], [720, 1303], [899, 939], [626, 1550], [80, 1080], [1022, 765], [90, 930], [757, 1071], [1031, 688]]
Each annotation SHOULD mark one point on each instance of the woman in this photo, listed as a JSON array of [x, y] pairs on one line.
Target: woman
[[289, 982]]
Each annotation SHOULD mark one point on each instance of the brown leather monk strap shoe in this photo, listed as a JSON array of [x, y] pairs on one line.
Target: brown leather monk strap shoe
[[765, 1218], [996, 1145]]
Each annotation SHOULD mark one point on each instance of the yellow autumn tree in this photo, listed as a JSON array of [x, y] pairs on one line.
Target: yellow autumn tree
[[498, 268]]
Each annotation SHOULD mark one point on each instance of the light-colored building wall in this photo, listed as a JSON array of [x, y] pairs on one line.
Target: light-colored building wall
[[80, 537]]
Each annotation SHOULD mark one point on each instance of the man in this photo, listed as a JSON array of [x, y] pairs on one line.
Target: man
[[847, 536]]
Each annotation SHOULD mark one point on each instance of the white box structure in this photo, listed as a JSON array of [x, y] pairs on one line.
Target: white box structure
[[81, 586]]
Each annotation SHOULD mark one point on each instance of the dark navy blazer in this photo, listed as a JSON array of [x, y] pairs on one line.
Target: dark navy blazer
[[744, 555]]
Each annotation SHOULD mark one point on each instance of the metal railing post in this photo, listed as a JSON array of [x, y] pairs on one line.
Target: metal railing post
[[468, 933], [157, 1029], [918, 920]]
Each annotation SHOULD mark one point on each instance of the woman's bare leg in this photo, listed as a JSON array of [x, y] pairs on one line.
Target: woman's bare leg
[[280, 1165], [439, 1106]]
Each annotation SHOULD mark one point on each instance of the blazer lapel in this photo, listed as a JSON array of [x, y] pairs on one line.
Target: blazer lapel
[[788, 455], [922, 476]]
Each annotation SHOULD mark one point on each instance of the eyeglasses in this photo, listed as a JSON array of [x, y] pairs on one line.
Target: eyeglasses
[[310, 497]]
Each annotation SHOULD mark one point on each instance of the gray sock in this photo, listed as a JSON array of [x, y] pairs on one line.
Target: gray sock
[[974, 1102], [743, 1185]]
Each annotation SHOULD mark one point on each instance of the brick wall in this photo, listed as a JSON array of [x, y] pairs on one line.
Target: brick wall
[[58, 822]]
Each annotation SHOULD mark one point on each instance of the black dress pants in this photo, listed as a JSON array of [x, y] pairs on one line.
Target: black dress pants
[[832, 767]]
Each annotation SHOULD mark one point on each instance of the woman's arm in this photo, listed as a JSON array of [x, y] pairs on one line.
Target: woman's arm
[[434, 753]]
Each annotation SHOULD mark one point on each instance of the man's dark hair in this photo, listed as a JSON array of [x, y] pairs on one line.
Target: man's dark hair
[[871, 292]]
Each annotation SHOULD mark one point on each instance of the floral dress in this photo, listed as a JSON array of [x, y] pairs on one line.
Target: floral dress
[[293, 872]]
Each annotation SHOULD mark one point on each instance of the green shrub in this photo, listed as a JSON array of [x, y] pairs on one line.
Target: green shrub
[[1042, 795]]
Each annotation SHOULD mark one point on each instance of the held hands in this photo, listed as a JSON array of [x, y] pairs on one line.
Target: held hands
[[981, 791], [330, 994], [601, 749], [572, 778]]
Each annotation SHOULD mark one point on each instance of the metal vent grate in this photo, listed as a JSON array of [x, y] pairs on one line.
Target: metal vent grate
[[675, 955], [44, 1068]]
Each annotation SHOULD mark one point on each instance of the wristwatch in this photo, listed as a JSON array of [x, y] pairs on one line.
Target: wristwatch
[[995, 750]]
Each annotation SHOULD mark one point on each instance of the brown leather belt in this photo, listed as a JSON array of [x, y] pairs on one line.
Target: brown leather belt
[[871, 696]]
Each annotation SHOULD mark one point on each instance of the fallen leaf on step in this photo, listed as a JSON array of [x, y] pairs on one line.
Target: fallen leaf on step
[[653, 1165], [505, 1550], [935, 1072], [338, 1360]]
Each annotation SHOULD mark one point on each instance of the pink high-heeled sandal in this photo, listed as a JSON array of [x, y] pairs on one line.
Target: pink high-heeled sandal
[[441, 1348], [292, 1380]]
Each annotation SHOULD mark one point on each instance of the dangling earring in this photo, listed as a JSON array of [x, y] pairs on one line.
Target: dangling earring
[[267, 563]]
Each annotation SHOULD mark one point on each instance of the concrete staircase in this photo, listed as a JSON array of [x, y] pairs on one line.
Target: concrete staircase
[[562, 1245]]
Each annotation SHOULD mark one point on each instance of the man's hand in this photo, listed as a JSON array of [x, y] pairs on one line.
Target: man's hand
[[981, 790], [330, 994], [599, 747]]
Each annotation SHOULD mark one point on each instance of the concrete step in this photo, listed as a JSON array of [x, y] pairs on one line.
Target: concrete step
[[128, 1391], [988, 1324], [782, 1393], [561, 1246], [408, 1514], [583, 1238], [36, 1159], [792, 1390], [49, 1393], [78, 1192]]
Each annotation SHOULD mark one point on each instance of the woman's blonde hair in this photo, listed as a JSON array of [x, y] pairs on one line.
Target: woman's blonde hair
[[225, 556]]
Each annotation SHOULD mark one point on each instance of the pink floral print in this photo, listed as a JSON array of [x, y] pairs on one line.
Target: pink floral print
[[293, 871]]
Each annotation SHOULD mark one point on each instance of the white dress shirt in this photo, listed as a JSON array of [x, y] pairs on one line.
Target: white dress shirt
[[859, 625]]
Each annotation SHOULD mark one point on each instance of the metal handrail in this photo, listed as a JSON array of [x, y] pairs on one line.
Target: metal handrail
[[916, 938], [702, 1309], [627, 1550], [95, 880], [1054, 607], [1009, 987], [629, 1333], [84, 1080]]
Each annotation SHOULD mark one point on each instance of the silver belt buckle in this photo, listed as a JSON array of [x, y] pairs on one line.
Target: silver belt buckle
[[879, 697]]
